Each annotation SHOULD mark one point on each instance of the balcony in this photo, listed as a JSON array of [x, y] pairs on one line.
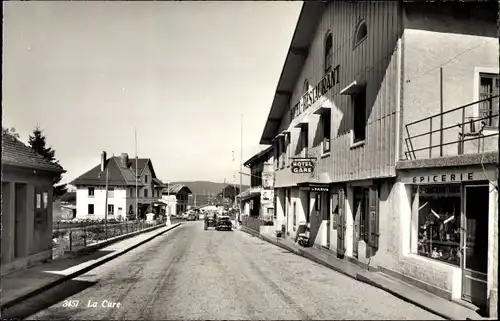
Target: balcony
[[468, 129]]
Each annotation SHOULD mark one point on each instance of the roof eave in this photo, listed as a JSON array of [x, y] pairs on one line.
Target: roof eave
[[40, 168], [311, 11], [257, 156]]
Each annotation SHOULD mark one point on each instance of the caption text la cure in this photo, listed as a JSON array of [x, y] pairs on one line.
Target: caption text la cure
[[91, 304]]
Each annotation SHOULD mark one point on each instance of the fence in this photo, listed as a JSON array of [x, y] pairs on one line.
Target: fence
[[77, 238], [454, 132], [254, 222]]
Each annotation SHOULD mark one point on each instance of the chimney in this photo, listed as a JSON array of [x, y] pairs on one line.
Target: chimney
[[124, 159], [103, 161]]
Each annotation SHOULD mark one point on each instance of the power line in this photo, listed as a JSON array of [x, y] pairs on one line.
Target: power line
[[447, 62]]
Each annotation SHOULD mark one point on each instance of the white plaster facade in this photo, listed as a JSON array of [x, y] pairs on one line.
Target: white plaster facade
[[118, 198]]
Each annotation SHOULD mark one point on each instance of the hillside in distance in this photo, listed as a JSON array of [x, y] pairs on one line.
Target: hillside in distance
[[204, 190]]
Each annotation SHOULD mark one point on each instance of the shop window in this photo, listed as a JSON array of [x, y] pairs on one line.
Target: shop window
[[437, 211], [361, 211], [328, 52], [326, 121], [488, 110], [359, 114], [91, 209]]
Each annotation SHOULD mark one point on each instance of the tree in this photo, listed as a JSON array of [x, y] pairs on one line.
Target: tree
[[229, 192], [11, 131], [38, 144]]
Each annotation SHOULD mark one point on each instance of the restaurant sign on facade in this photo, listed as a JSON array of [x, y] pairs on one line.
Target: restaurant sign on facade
[[303, 165], [308, 99]]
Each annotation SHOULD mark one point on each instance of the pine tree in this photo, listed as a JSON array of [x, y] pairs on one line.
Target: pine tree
[[38, 143], [11, 131]]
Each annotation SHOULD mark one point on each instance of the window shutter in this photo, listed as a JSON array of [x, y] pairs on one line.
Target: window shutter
[[373, 224], [341, 223]]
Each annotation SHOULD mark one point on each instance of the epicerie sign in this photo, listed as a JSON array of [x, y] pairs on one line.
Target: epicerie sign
[[302, 166], [443, 178]]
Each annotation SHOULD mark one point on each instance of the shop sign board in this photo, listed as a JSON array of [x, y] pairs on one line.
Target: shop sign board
[[448, 177], [319, 189], [303, 165]]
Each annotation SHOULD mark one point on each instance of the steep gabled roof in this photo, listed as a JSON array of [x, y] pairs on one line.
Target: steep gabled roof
[[158, 183], [176, 188], [118, 175], [15, 153], [258, 156]]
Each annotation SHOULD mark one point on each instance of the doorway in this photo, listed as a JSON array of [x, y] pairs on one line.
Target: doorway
[[475, 244], [340, 223]]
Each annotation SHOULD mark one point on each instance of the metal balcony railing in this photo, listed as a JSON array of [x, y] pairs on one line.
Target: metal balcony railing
[[469, 128]]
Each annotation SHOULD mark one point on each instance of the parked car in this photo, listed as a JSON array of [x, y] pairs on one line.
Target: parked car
[[191, 217], [184, 216], [223, 223]]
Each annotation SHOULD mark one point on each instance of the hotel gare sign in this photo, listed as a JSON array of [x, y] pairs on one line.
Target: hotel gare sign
[[302, 165], [309, 98]]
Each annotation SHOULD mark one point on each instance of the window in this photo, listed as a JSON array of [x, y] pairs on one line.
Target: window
[[145, 192], [306, 86], [436, 213], [288, 151], [326, 121], [488, 110], [304, 133], [360, 34], [111, 209], [111, 192], [283, 151], [146, 179], [91, 191], [328, 52], [359, 114], [91, 209]]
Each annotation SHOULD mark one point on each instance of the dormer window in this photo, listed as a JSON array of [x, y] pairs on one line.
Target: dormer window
[[328, 52], [360, 33]]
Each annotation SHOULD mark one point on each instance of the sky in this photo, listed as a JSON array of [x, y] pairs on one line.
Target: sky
[[181, 73]]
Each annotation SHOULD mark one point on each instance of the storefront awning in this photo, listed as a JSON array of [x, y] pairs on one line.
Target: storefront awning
[[353, 88]]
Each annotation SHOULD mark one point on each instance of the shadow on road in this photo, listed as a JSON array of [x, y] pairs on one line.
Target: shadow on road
[[46, 299]]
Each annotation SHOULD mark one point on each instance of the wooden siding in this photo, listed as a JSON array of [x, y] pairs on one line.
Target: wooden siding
[[376, 61]]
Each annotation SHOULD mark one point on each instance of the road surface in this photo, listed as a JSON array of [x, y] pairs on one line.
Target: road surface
[[190, 273]]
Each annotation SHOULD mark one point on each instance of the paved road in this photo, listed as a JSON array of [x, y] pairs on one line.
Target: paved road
[[190, 273]]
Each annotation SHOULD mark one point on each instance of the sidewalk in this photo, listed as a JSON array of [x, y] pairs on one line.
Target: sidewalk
[[423, 299], [20, 285]]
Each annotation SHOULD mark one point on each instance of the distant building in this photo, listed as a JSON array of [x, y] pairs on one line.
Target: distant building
[[63, 210], [258, 199], [26, 205], [122, 192], [181, 193]]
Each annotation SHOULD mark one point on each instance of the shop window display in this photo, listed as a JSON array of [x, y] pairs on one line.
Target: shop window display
[[439, 222]]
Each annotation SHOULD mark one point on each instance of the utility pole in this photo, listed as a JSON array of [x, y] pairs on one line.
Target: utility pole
[[241, 162], [104, 167], [168, 201], [136, 182]]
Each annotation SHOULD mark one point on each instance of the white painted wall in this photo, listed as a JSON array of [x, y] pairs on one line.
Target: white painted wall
[[119, 200], [171, 200]]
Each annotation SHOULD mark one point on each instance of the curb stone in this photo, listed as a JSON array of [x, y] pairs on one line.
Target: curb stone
[[70, 276]]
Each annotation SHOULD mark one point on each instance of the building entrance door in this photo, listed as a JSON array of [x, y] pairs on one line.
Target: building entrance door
[[475, 244], [326, 216], [340, 223]]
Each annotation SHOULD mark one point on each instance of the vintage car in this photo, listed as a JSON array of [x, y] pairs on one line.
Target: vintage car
[[223, 223], [210, 220], [192, 217]]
